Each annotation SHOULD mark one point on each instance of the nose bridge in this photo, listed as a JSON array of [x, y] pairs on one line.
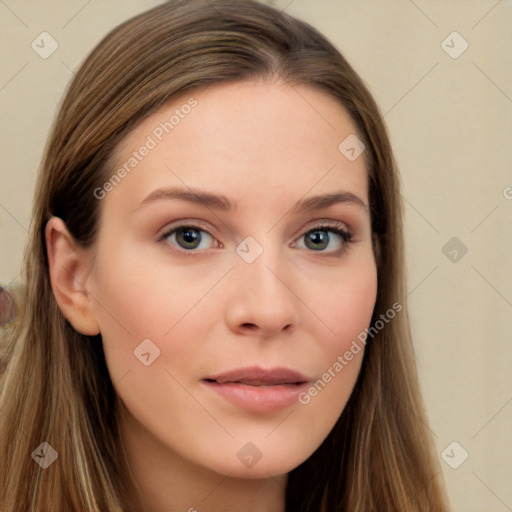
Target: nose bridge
[[273, 264], [264, 276], [261, 296]]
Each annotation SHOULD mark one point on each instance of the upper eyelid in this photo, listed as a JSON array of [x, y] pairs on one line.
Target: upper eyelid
[[181, 224], [202, 227], [329, 224]]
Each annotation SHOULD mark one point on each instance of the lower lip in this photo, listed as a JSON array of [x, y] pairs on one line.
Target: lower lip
[[259, 398]]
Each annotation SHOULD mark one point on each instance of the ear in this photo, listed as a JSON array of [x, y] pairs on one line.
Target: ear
[[70, 272]]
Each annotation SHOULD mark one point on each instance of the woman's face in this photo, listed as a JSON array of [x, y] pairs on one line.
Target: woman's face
[[223, 291]]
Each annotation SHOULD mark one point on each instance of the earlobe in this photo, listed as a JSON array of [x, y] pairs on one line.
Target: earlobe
[[69, 272]]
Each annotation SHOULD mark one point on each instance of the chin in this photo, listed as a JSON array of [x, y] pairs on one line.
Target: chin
[[249, 462]]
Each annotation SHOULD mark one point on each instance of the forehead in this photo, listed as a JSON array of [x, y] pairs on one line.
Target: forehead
[[249, 140]]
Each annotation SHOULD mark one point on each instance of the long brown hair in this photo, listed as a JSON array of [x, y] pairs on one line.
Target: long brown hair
[[56, 386]]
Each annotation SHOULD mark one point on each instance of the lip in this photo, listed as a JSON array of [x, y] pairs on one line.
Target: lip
[[257, 389]]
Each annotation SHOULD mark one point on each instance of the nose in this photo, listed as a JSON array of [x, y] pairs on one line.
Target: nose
[[261, 298]]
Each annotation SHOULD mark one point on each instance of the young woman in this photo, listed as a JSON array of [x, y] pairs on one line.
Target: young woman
[[215, 312]]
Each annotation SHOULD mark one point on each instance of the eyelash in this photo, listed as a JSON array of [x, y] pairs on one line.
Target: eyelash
[[338, 229]]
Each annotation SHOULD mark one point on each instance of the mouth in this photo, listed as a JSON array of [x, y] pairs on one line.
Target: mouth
[[256, 376], [257, 389]]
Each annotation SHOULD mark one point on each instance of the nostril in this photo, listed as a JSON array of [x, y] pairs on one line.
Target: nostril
[[249, 326]]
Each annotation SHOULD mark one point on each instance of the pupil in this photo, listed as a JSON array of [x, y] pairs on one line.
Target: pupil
[[319, 239], [189, 237]]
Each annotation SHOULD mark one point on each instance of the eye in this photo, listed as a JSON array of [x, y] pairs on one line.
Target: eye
[[189, 237], [325, 238], [322, 238]]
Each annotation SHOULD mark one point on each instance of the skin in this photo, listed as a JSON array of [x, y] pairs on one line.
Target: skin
[[265, 146]]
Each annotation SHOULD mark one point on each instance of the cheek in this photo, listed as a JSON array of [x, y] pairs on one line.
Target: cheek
[[347, 308], [351, 307], [135, 301], [348, 303]]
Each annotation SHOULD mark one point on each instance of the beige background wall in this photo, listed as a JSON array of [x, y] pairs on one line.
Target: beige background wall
[[450, 119]]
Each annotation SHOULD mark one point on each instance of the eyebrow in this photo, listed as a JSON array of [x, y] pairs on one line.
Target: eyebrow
[[222, 203]]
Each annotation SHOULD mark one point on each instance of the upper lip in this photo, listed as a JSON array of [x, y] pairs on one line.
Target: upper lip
[[257, 376]]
